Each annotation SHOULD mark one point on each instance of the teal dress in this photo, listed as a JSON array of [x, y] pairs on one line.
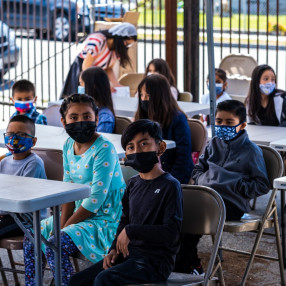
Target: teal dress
[[99, 168]]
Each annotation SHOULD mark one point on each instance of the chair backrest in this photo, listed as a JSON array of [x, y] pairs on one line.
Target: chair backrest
[[121, 123], [238, 64], [127, 172], [53, 161], [185, 96], [238, 69], [53, 115], [199, 135], [132, 80], [203, 214], [240, 98], [273, 162]]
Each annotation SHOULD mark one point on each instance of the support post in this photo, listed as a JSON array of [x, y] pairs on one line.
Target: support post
[[191, 47], [171, 35]]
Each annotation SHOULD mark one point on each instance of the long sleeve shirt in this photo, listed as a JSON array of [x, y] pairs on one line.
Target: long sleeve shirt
[[235, 169], [152, 217]]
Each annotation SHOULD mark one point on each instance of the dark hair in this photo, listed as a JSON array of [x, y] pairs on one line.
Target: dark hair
[[77, 98], [97, 86], [235, 107], [23, 85], [253, 99], [141, 126], [118, 46], [220, 73], [26, 120], [163, 68], [162, 105]]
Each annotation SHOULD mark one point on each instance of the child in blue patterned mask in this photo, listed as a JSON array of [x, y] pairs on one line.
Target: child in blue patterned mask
[[24, 99], [233, 166], [20, 161], [266, 105]]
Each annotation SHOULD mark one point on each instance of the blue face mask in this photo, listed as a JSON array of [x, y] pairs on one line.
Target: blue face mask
[[18, 144], [225, 132], [267, 88], [218, 88], [81, 89]]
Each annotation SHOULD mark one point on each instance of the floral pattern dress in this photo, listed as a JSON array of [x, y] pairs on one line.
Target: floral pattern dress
[[99, 168]]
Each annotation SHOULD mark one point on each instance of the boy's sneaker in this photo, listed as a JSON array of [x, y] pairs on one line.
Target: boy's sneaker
[[199, 271]]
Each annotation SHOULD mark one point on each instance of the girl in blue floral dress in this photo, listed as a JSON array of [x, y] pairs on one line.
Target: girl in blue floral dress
[[88, 225]]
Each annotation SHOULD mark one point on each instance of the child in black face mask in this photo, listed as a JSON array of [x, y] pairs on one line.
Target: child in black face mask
[[147, 238], [88, 225]]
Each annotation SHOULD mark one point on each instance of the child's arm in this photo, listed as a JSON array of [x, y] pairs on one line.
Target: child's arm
[[124, 220], [67, 211], [258, 183], [80, 215]]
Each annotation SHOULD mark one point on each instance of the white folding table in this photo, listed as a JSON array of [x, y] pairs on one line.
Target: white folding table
[[21, 195], [127, 106], [53, 138]]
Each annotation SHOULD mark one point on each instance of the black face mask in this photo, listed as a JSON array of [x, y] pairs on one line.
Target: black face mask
[[145, 105], [142, 162], [82, 131]]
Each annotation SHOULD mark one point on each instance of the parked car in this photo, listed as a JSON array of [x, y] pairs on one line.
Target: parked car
[[57, 17], [105, 8], [60, 18], [9, 51]]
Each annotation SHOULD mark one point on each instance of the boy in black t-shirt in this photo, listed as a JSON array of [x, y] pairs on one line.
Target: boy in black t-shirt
[[147, 238]]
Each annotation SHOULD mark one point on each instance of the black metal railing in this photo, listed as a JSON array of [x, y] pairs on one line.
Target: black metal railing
[[45, 36]]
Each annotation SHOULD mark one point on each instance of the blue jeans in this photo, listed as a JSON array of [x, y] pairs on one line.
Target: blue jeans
[[132, 270]]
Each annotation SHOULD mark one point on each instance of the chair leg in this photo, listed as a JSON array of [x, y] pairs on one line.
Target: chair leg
[[12, 262], [75, 262], [4, 278], [279, 248], [219, 272], [252, 255], [253, 206]]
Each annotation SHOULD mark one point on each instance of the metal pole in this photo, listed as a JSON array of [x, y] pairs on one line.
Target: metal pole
[[211, 63], [57, 235], [92, 15], [37, 249]]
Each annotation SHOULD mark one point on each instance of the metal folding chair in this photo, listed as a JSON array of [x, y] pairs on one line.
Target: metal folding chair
[[121, 123], [255, 223], [204, 214]]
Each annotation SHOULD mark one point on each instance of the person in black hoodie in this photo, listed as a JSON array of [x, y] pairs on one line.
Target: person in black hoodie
[[148, 234]]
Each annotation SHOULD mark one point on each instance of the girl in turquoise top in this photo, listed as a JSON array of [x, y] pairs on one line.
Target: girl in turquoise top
[[88, 225]]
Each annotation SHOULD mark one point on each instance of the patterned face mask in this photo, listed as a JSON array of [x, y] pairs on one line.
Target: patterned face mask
[[18, 144], [24, 106], [225, 132], [267, 88]]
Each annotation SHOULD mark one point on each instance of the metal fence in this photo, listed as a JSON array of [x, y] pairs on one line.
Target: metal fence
[[45, 36]]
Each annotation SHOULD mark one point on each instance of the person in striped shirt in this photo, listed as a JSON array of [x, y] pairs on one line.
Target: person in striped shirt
[[102, 49]]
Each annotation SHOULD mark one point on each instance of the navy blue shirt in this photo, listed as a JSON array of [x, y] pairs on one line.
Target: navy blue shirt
[[178, 161], [152, 213]]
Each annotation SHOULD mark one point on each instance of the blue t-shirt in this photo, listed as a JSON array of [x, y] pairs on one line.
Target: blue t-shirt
[[106, 120]]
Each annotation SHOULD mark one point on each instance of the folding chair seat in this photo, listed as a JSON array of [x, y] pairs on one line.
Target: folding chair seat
[[203, 214], [255, 223]]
